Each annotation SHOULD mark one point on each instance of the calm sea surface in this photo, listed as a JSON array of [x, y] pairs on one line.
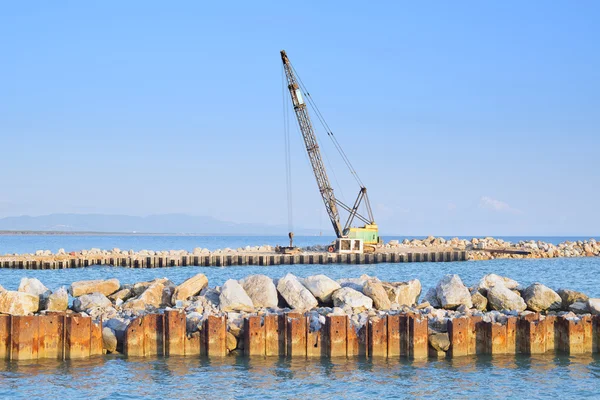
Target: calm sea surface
[[179, 378]]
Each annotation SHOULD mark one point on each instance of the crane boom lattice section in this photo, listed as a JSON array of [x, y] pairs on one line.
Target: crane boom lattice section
[[312, 147]]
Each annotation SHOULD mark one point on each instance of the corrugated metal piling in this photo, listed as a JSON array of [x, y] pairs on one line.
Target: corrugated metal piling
[[52, 336], [223, 260], [62, 336]]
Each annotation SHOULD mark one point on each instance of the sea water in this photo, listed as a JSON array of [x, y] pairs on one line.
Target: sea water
[[114, 376]]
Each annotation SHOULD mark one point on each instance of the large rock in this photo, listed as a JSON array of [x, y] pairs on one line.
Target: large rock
[[118, 325], [33, 286], [579, 307], [403, 293], [569, 297], [109, 340], [18, 303], [354, 283], [190, 287], [541, 298], [158, 294], [261, 290], [594, 306], [321, 286], [57, 301], [502, 298], [233, 297], [122, 294], [106, 287], [295, 294], [230, 342], [374, 289], [491, 280], [88, 301], [431, 298], [479, 301], [440, 341], [452, 293], [348, 297]]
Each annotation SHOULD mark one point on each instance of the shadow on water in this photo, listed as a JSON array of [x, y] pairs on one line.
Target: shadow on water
[[275, 377]]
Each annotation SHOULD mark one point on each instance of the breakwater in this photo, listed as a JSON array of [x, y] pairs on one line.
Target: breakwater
[[431, 249], [176, 259], [297, 317]]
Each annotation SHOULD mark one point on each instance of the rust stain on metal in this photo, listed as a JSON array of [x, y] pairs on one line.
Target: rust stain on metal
[[377, 337], [153, 331], [352, 347], [275, 335], [476, 335], [315, 342], [551, 332], [335, 329], [133, 345], [5, 344], [511, 335], [363, 341], [418, 337], [588, 334], [77, 337], [193, 344], [254, 336], [216, 331], [458, 333], [296, 335], [174, 336], [51, 336], [404, 335], [24, 338], [96, 345], [571, 335], [393, 336]]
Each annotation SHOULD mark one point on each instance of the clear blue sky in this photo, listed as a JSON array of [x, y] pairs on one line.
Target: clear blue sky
[[462, 118]]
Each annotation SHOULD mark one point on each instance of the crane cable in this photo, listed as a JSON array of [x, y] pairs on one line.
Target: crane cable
[[323, 151], [288, 163], [319, 115]]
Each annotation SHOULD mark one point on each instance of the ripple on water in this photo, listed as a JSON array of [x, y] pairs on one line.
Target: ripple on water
[[265, 378], [572, 273]]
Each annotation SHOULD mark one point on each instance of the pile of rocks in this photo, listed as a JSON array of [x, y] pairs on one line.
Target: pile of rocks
[[494, 298], [479, 248]]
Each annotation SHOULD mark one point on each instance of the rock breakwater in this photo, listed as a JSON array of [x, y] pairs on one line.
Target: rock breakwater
[[317, 300], [415, 250]]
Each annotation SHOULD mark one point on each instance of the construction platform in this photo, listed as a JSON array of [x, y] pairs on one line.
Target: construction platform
[[225, 260]]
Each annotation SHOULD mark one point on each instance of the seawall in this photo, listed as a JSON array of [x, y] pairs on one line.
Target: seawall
[[393, 336], [223, 260]]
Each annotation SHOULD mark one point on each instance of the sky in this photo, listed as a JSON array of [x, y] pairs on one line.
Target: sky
[[461, 118]]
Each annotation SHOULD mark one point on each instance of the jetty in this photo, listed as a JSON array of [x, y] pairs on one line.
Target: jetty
[[394, 336], [222, 260], [316, 316], [431, 249]]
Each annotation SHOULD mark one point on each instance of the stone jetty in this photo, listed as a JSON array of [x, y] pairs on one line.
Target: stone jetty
[[431, 249], [297, 317]]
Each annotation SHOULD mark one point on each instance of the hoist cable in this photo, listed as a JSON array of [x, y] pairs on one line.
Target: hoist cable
[[325, 125], [288, 163]]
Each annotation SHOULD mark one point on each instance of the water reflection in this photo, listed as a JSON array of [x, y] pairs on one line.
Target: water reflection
[[275, 377]]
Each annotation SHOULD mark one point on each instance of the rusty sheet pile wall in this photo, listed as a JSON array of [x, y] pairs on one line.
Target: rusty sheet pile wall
[[391, 336], [223, 260], [56, 336], [62, 336]]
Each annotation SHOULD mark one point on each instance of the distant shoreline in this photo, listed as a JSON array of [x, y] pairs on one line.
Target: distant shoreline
[[94, 233], [83, 233]]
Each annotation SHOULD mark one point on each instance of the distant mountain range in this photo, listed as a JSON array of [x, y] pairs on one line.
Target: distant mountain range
[[164, 223]]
